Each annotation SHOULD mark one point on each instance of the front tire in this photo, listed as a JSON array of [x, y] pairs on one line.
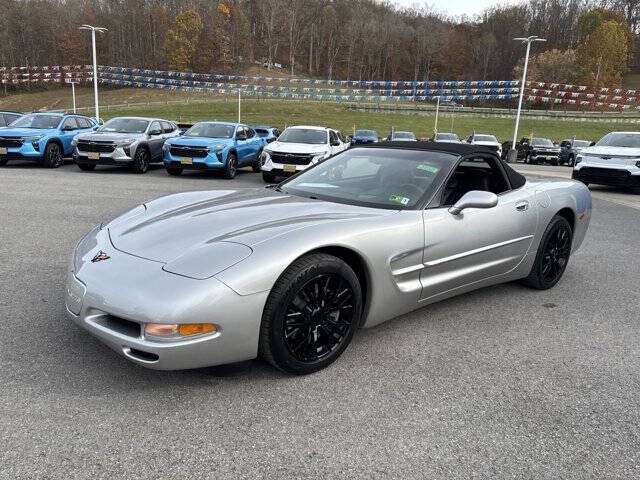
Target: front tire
[[553, 255], [140, 161], [231, 167], [174, 171], [52, 156], [268, 177], [572, 161], [311, 314], [87, 167]]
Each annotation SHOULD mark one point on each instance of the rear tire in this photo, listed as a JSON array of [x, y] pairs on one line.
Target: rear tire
[[140, 161], [311, 314], [174, 171], [553, 255], [231, 167], [52, 156], [268, 177], [86, 166]]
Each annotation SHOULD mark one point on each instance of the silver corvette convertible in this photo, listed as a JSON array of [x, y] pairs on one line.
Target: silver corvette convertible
[[290, 272]]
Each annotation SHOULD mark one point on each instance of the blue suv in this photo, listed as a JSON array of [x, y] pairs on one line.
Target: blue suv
[[364, 136], [42, 137], [220, 146]]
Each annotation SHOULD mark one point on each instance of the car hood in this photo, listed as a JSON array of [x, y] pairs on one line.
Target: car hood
[[198, 141], [107, 136], [297, 147], [611, 151], [24, 132], [170, 227]]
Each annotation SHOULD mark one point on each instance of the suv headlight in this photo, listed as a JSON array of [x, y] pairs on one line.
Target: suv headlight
[[125, 143], [34, 138], [578, 160], [217, 148], [318, 157]]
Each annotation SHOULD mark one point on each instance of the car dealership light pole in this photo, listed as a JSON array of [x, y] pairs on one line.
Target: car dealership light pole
[[95, 64], [513, 155]]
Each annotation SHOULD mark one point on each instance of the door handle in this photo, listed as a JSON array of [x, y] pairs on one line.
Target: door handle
[[522, 206]]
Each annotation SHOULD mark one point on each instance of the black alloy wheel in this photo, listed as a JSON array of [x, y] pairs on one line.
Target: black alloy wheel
[[141, 160], [52, 156], [553, 255], [311, 314]]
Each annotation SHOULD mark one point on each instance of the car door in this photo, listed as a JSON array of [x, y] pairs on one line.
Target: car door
[[68, 130], [242, 144], [478, 243], [156, 139], [254, 144]]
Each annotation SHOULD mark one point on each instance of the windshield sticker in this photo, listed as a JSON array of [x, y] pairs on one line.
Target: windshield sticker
[[399, 199], [428, 168]]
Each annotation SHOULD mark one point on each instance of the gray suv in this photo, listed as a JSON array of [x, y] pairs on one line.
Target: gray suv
[[132, 142]]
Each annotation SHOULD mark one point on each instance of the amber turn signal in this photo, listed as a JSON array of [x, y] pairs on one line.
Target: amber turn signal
[[161, 329], [187, 329]]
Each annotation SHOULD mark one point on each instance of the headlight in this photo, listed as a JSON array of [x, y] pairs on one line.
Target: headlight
[[125, 143], [35, 138], [217, 148], [74, 142], [578, 159], [318, 157]]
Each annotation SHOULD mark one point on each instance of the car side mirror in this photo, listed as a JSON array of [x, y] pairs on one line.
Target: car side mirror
[[474, 199], [592, 144]]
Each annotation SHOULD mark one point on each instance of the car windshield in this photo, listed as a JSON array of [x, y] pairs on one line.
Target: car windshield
[[542, 142], [446, 136], [366, 133], [37, 121], [484, 138], [402, 135], [580, 143], [303, 135], [125, 125], [630, 140], [210, 130], [374, 177]]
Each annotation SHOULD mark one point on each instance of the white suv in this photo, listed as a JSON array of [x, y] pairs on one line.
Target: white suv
[[299, 147], [614, 160]]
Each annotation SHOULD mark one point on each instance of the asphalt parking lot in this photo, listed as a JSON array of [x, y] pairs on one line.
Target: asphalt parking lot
[[505, 382]]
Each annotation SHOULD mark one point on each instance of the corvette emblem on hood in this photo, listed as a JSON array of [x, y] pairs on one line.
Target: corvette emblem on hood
[[100, 256]]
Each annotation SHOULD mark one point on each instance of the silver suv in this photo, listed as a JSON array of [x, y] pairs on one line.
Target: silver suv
[[132, 142]]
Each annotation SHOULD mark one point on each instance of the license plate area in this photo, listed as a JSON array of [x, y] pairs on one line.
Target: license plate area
[[3, 150], [289, 168], [93, 155], [186, 161]]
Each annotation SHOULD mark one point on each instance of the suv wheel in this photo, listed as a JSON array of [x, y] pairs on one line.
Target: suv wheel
[[86, 166], [268, 177], [571, 162], [52, 156], [257, 165], [231, 168], [141, 160]]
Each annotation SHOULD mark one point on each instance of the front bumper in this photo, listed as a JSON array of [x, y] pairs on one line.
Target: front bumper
[[281, 169], [117, 157], [25, 152], [546, 157], [215, 160], [611, 176], [113, 299]]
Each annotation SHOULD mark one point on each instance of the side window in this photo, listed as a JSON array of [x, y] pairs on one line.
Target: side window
[[69, 124], [155, 126], [84, 122], [474, 174], [276, 132], [250, 132], [240, 131], [4, 120], [333, 138], [167, 127]]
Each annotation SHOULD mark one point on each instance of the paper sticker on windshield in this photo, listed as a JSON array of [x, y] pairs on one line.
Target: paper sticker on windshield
[[428, 168], [399, 199]]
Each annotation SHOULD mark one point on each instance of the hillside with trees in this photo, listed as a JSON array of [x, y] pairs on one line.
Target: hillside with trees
[[591, 42]]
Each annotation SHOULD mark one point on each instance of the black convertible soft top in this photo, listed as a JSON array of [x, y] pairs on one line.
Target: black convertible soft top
[[462, 149]]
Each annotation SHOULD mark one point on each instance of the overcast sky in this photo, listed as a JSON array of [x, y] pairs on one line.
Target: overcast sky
[[456, 7]]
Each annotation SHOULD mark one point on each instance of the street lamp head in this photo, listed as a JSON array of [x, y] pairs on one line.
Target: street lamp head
[[532, 38], [90, 27]]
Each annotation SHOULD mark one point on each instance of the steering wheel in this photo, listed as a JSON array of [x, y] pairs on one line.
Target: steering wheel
[[408, 187]]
